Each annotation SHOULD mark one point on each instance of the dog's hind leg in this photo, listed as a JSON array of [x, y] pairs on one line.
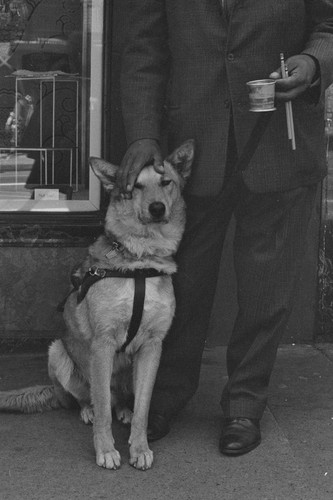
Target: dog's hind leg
[[121, 407], [68, 382], [146, 362], [122, 392], [123, 414]]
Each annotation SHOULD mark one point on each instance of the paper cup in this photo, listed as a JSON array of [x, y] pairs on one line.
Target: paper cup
[[261, 95]]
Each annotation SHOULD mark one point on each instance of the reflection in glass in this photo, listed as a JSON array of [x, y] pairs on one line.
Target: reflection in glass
[[46, 48]]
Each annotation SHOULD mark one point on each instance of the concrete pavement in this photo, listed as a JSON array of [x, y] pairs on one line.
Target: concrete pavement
[[50, 455]]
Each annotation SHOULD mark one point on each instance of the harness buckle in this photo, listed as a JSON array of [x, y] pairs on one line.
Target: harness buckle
[[97, 271], [116, 246]]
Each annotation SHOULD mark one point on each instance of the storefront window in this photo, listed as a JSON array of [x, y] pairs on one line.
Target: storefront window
[[51, 57]]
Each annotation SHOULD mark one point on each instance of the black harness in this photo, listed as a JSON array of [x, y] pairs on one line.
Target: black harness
[[95, 274]]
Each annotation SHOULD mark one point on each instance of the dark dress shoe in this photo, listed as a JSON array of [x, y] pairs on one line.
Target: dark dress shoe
[[239, 436], [158, 426]]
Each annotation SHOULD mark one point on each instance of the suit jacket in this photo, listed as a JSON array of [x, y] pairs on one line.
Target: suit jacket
[[201, 55]]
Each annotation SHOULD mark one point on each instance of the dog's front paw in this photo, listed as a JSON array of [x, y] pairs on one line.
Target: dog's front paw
[[141, 457], [106, 454], [108, 459]]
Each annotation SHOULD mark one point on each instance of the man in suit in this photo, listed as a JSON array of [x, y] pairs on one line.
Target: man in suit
[[193, 58]]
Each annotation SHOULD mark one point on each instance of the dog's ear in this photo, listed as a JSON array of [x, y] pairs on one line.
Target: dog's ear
[[105, 171], [182, 158]]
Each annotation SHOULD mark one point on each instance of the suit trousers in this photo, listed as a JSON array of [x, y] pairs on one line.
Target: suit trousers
[[269, 243]]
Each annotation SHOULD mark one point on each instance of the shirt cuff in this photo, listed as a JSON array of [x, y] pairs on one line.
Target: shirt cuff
[[316, 79]]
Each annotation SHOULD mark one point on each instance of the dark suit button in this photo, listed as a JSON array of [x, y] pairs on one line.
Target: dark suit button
[[230, 57], [227, 103]]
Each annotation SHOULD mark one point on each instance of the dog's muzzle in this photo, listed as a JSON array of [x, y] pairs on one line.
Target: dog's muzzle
[[157, 210]]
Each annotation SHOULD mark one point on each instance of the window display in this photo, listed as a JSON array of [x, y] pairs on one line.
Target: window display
[[50, 103]]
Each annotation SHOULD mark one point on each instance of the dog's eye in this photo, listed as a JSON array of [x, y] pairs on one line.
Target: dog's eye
[[138, 185], [165, 182]]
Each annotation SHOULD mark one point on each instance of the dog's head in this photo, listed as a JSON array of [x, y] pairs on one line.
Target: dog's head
[[155, 196]]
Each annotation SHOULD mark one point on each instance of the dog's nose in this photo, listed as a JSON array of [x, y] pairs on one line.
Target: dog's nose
[[157, 209]]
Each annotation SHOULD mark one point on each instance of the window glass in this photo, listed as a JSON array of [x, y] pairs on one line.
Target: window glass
[[50, 103]]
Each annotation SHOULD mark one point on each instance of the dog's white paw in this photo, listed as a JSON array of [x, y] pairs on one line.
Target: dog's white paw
[[141, 459], [109, 460], [87, 414], [124, 415]]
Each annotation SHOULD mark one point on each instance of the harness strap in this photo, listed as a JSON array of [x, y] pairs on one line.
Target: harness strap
[[138, 303], [96, 274]]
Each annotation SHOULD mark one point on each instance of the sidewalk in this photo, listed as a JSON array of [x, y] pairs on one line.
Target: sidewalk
[[50, 455]]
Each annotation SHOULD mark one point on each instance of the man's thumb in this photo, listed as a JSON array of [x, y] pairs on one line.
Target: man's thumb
[[275, 75]]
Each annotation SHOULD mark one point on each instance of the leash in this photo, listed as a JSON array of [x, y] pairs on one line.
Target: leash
[[95, 274], [253, 141], [232, 186]]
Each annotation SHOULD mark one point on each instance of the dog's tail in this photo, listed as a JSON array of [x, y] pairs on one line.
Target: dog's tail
[[30, 399]]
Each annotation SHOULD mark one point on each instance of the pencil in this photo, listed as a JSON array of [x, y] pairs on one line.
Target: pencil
[[292, 130], [288, 106]]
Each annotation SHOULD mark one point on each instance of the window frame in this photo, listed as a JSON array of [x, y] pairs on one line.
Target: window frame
[[76, 216]]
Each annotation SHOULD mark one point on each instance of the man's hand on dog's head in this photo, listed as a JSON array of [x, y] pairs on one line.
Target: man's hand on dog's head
[[139, 154]]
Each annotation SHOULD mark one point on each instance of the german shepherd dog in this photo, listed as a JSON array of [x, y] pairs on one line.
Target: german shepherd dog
[[95, 363]]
